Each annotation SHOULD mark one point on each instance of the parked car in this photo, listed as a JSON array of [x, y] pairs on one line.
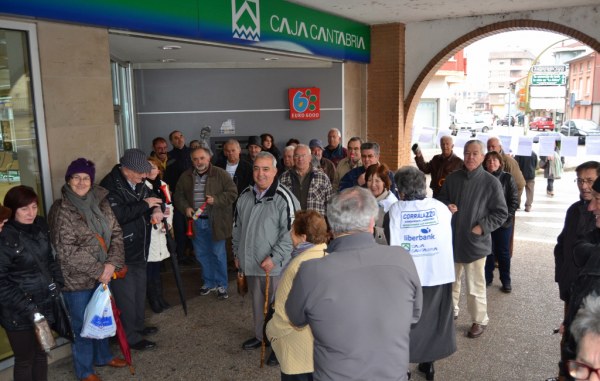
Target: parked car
[[557, 135], [506, 121], [580, 128], [542, 123], [474, 124]]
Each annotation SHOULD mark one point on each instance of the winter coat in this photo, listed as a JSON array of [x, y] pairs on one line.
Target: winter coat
[[219, 185], [439, 167], [292, 345], [319, 190], [76, 244], [578, 222], [480, 201], [511, 195], [23, 286], [132, 212], [242, 176], [261, 228], [553, 166]]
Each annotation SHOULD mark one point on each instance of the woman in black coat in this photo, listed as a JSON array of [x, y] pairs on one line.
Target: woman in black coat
[[24, 287], [494, 163]]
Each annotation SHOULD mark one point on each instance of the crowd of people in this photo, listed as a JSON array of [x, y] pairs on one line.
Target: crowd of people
[[316, 230]]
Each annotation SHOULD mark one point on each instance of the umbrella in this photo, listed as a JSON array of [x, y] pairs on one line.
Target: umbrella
[[263, 345], [121, 336], [176, 273]]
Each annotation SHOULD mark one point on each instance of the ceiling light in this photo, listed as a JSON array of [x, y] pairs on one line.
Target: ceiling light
[[170, 47], [166, 60], [270, 59]]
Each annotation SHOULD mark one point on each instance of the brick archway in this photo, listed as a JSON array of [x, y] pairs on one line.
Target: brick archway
[[414, 95]]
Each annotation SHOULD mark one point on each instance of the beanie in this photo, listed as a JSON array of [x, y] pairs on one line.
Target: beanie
[[254, 140], [81, 165], [135, 159]]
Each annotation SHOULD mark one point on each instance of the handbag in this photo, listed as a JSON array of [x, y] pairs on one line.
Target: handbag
[[62, 318]]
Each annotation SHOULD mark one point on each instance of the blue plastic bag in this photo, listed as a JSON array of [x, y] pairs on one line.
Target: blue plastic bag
[[98, 319]]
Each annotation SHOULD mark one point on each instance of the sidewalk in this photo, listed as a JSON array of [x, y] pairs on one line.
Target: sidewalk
[[206, 345]]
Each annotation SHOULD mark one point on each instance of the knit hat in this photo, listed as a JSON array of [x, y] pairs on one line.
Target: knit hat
[[316, 143], [596, 185], [254, 140], [136, 160], [81, 165]]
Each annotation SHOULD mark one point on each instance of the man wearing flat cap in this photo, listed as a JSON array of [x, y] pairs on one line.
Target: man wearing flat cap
[[134, 207]]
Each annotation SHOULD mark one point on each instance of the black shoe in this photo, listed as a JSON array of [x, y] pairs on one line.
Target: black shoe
[[272, 360], [251, 344], [163, 303], [427, 368], [149, 331], [506, 288], [155, 305], [143, 345]]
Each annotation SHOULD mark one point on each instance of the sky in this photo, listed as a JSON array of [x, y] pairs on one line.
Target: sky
[[534, 41]]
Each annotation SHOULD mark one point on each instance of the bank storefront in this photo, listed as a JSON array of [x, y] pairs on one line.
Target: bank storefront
[[61, 98]]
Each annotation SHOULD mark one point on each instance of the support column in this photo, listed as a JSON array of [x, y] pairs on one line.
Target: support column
[[385, 94]]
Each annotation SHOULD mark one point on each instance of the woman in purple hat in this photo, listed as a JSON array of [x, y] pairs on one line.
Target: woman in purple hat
[[89, 248]]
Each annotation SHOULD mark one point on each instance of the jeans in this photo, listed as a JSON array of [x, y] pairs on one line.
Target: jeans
[[86, 352], [211, 255], [550, 186], [501, 251]]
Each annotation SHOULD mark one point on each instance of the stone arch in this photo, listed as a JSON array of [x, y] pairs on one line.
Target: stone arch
[[414, 95]]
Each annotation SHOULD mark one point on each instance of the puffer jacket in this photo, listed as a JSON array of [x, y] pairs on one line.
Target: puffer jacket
[[23, 286], [76, 244], [132, 212]]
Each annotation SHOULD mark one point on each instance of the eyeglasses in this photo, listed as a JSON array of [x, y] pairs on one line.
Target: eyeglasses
[[79, 179], [584, 181], [581, 371]]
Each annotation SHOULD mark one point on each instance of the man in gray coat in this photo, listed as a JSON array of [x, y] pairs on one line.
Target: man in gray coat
[[360, 300], [476, 199], [263, 218]]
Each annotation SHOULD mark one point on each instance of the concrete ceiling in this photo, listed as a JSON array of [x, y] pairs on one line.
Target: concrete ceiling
[[146, 52], [374, 12]]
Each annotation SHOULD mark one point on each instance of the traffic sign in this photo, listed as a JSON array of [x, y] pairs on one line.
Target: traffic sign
[[549, 68], [549, 80]]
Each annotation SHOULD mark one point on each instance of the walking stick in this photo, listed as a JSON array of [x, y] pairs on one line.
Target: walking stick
[[263, 345]]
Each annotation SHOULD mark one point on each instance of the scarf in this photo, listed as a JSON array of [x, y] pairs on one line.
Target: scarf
[[89, 207]]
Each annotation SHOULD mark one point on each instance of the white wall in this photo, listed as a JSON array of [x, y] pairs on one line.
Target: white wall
[[426, 39]]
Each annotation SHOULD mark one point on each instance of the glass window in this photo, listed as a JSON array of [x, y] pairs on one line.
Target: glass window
[[19, 141]]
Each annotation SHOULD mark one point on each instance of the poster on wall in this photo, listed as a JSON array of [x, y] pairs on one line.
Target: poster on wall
[[305, 103]]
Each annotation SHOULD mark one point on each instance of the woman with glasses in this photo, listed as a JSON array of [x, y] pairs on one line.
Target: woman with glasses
[[26, 264], [89, 248]]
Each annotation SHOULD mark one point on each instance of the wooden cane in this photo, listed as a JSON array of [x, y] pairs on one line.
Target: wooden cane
[[263, 345]]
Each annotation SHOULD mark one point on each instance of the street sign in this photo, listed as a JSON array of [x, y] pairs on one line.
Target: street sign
[[549, 80], [549, 69]]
